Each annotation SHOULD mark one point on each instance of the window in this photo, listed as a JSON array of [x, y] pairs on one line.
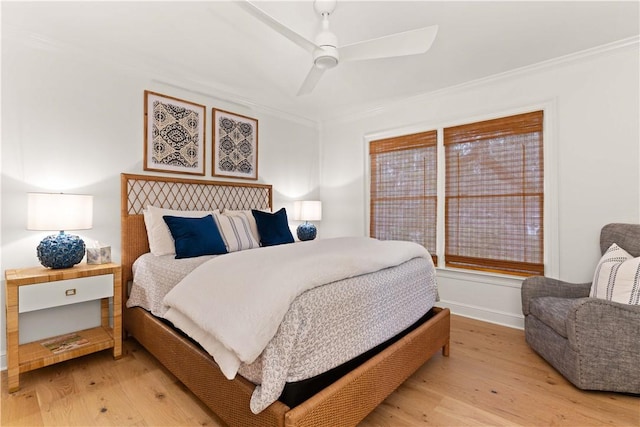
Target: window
[[493, 193], [403, 193]]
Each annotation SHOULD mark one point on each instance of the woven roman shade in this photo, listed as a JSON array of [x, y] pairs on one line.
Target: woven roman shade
[[494, 195], [403, 189]]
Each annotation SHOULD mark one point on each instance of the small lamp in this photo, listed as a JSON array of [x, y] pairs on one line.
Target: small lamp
[[307, 210], [46, 211]]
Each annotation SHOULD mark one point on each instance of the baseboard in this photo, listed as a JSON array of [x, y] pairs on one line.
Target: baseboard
[[481, 313], [3, 362]]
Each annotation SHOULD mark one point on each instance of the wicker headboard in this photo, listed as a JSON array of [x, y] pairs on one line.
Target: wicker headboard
[[139, 191]]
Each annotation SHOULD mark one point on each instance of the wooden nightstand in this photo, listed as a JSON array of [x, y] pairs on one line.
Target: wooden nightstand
[[36, 288]]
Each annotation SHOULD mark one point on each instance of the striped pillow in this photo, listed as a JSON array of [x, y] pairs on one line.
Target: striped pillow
[[252, 221], [617, 277], [236, 232]]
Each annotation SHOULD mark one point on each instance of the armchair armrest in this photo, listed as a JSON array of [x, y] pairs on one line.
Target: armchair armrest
[[594, 325], [540, 286]]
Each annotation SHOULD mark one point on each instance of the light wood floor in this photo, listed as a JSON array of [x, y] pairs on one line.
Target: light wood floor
[[491, 378]]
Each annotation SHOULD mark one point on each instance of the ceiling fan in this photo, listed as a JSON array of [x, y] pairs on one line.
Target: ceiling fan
[[326, 52]]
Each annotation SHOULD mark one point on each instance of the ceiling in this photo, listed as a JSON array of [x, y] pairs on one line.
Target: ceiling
[[218, 49]]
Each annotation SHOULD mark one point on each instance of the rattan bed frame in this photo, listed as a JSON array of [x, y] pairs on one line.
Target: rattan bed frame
[[344, 403]]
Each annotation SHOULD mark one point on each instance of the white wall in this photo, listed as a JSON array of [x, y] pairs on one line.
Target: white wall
[[593, 100], [73, 122]]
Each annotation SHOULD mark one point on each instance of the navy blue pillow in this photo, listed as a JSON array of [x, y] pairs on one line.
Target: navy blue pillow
[[273, 227], [195, 236]]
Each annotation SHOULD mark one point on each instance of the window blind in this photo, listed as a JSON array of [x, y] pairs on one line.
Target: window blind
[[403, 192], [494, 195]]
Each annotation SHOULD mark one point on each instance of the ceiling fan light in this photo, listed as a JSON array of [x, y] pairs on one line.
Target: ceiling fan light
[[325, 57], [326, 62]]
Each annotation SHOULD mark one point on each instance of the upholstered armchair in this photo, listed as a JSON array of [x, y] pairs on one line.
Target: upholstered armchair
[[593, 342]]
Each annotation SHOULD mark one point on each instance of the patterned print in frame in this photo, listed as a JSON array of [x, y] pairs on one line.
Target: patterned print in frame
[[174, 135], [235, 145]]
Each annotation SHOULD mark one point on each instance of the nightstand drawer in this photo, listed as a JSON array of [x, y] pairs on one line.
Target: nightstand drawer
[[63, 292]]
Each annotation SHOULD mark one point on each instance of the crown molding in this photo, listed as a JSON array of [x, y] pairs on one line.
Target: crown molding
[[374, 109]]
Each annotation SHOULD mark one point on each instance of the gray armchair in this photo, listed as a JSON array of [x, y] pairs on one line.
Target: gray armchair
[[593, 343]]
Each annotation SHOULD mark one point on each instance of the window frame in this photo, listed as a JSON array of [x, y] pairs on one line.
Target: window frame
[[464, 146], [550, 181], [427, 139]]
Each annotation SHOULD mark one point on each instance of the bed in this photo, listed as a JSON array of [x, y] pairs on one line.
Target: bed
[[345, 401]]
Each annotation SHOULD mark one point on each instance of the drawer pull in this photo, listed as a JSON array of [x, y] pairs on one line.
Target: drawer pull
[[70, 292]]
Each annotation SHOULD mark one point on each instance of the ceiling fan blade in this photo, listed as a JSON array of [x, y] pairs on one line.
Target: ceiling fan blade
[[311, 80], [412, 42], [276, 25]]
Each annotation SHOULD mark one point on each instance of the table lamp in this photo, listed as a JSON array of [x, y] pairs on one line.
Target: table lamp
[[307, 210], [46, 211]]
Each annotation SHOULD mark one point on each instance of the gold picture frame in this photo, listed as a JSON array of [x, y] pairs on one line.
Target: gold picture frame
[[235, 145], [174, 135]]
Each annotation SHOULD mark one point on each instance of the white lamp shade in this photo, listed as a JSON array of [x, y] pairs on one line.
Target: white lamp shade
[[46, 211], [307, 210]]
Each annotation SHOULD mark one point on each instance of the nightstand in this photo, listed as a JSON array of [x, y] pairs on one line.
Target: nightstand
[[36, 288]]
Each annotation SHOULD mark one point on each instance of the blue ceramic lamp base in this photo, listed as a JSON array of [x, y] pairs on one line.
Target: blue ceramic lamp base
[[306, 231], [60, 250]]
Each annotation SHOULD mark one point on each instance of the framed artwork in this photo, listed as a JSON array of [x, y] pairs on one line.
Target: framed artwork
[[235, 145], [174, 135]]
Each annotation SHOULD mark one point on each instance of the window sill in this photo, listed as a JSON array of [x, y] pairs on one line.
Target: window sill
[[506, 280]]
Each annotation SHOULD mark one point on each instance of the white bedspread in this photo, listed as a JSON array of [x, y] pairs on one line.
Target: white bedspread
[[233, 305]]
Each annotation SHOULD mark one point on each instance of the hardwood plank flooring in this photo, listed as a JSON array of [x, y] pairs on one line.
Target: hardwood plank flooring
[[492, 378]]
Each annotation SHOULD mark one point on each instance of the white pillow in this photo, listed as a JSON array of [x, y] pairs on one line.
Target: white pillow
[[236, 232], [160, 239], [252, 221], [617, 277]]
